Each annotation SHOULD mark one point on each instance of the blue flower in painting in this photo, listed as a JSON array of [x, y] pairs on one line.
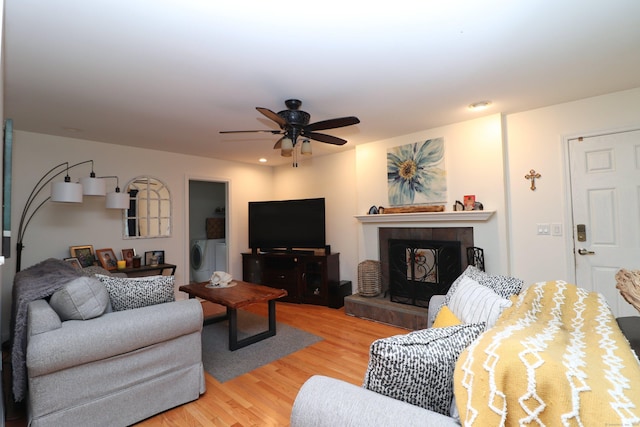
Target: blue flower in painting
[[412, 170]]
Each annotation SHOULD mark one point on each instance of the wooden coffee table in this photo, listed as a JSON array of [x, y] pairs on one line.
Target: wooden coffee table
[[240, 295]]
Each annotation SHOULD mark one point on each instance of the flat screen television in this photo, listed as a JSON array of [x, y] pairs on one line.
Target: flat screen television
[[287, 224]]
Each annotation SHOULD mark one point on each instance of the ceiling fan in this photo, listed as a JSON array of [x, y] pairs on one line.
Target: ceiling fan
[[294, 124]]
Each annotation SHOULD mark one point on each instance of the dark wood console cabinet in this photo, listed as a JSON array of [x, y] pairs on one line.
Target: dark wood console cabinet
[[307, 279]]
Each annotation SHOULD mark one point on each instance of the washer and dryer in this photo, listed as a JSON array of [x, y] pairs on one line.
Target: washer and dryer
[[207, 256]]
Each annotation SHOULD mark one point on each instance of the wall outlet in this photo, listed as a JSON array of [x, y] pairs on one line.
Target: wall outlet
[[543, 229], [556, 229]]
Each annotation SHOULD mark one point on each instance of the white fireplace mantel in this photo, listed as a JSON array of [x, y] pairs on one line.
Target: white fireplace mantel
[[462, 216]]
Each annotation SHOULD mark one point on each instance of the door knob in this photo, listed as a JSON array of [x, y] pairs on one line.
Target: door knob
[[582, 251]]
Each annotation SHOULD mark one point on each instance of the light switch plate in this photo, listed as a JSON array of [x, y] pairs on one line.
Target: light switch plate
[[556, 229], [543, 229]]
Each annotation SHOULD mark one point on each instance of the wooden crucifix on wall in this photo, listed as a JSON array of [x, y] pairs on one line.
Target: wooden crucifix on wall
[[532, 176]]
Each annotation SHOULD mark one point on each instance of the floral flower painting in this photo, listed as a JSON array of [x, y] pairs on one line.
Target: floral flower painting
[[416, 173]]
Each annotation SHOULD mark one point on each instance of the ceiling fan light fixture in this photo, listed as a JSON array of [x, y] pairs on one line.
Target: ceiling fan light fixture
[[286, 147], [306, 148], [295, 127]]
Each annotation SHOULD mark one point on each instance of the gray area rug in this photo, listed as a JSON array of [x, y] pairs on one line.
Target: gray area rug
[[224, 365]]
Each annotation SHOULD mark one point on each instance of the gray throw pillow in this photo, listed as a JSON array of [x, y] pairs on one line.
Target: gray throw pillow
[[128, 293], [81, 299], [418, 367]]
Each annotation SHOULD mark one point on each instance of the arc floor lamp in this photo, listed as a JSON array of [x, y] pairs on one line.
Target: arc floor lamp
[[66, 192]]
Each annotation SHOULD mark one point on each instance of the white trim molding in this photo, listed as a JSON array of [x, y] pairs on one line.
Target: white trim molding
[[463, 216]]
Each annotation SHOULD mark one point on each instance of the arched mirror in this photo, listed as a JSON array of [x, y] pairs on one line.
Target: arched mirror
[[149, 213]]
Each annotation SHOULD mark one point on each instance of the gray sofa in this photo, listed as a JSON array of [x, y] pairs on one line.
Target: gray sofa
[[114, 368], [411, 377], [329, 402]]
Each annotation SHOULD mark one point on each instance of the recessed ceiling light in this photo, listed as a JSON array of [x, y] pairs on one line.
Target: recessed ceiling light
[[481, 105], [262, 160]]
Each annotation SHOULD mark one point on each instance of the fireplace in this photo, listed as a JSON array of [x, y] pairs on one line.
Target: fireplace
[[417, 263], [435, 227], [419, 269]]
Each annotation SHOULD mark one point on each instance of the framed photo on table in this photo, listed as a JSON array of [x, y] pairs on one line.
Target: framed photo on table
[[84, 254], [149, 255], [75, 263], [107, 259], [127, 255]]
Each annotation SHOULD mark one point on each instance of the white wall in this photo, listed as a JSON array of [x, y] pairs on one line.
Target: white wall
[[476, 154], [57, 226], [474, 165], [536, 140], [331, 177]]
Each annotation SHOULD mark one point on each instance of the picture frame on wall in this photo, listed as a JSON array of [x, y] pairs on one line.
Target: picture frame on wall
[[107, 259], [150, 254], [84, 254], [75, 262]]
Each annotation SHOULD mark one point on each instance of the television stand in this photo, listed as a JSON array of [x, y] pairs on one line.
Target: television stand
[[284, 251], [307, 277]]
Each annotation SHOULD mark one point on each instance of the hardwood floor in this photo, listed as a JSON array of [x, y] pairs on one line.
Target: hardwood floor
[[264, 397]]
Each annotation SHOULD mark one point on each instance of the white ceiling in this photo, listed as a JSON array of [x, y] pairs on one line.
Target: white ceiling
[[170, 74]]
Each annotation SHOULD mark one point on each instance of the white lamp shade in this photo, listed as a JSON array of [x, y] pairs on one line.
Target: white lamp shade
[[93, 186], [117, 200], [286, 147], [306, 147], [66, 192]]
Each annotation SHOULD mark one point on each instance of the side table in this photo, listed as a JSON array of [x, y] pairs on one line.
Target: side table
[[148, 270]]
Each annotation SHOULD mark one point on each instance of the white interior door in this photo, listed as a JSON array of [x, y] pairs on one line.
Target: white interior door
[[605, 191]]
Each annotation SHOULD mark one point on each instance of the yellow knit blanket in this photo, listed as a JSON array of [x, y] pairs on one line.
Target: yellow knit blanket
[[556, 357]]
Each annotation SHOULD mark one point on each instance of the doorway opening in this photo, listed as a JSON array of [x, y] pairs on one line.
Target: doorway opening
[[208, 224]]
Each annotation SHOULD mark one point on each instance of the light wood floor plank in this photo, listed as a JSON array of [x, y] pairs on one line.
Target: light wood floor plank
[[264, 397]]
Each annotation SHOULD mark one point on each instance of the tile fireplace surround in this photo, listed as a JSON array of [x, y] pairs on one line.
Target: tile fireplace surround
[[419, 227]]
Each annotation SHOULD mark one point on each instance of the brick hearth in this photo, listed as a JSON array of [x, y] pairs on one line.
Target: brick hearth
[[380, 309]]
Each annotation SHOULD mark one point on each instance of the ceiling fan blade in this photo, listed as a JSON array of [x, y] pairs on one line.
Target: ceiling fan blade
[[333, 123], [325, 138], [275, 132], [278, 144], [273, 116]]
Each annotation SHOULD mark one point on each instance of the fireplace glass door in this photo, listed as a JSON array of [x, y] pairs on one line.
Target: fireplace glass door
[[419, 269]]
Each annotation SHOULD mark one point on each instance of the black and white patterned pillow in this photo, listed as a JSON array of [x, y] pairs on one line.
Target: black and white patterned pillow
[[504, 286], [127, 293], [417, 367]]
